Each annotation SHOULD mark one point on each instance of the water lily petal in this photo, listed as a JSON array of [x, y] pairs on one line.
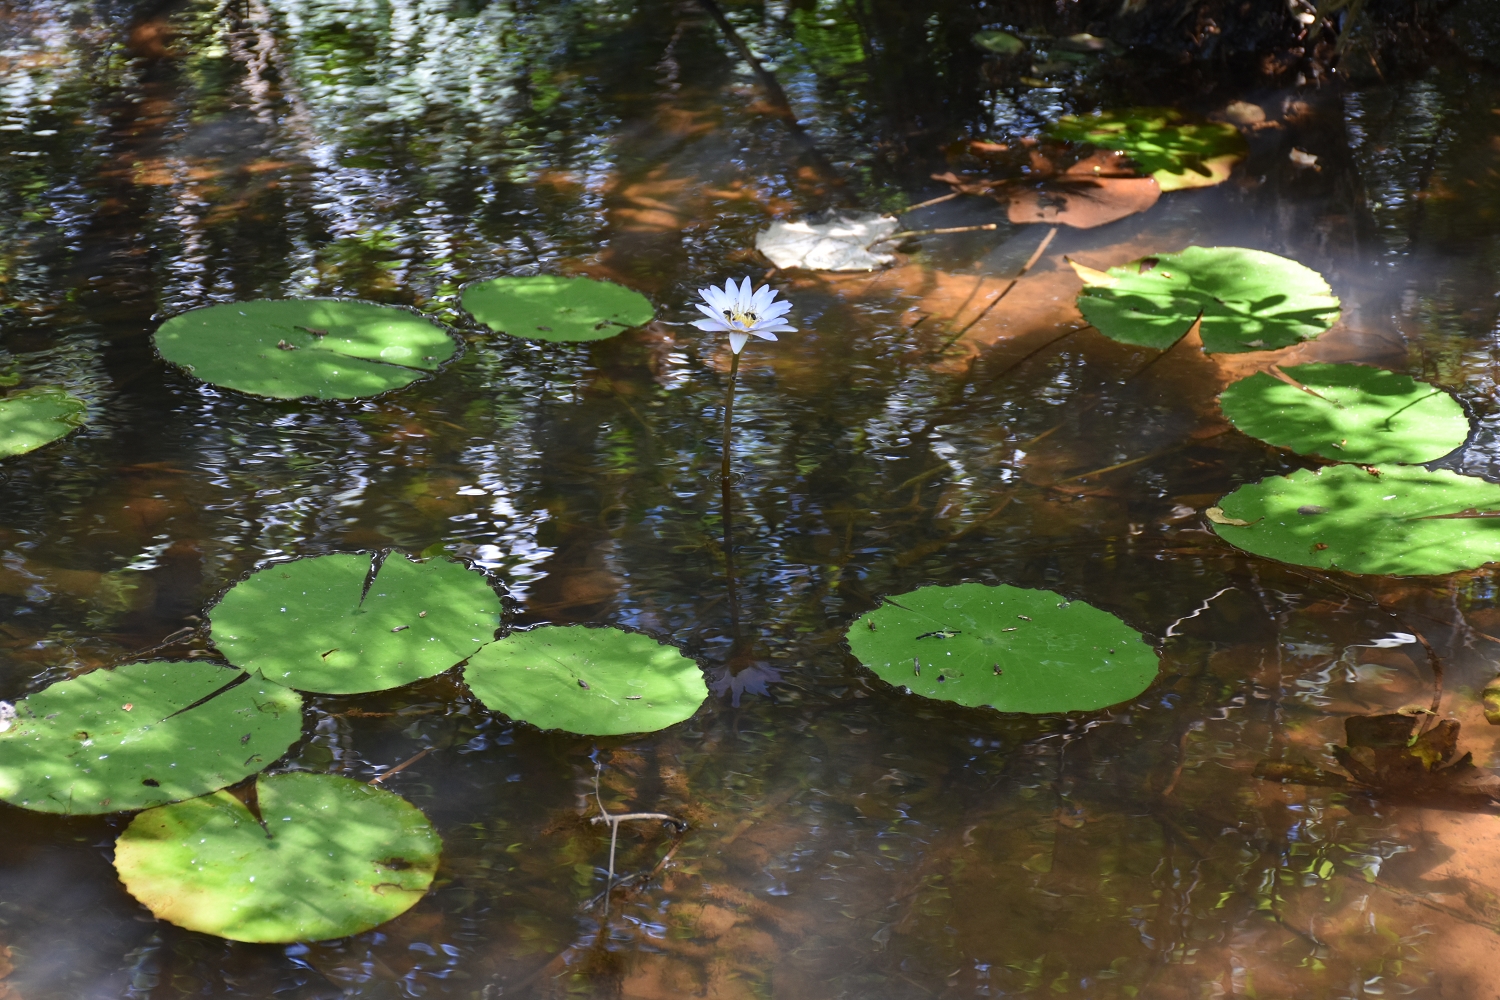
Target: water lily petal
[[760, 302], [764, 334], [713, 326], [714, 298], [737, 341]]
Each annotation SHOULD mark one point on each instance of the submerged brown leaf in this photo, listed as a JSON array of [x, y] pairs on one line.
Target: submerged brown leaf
[[1382, 756]]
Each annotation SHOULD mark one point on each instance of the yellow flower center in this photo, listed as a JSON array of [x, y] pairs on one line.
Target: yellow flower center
[[744, 319]]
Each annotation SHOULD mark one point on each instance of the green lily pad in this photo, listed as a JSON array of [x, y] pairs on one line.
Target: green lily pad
[[142, 734], [999, 42], [1163, 143], [1402, 520], [592, 681], [1351, 413], [1010, 649], [548, 307], [312, 625], [34, 417], [1250, 300], [332, 857], [296, 348]]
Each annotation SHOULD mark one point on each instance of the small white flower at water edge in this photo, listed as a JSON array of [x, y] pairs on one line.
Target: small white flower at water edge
[[742, 313]]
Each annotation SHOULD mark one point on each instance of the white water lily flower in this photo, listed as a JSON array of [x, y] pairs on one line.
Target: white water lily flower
[[7, 715], [743, 314]]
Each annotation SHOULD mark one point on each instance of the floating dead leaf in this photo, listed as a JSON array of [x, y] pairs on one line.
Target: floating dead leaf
[[1244, 113], [1084, 203], [1091, 277], [1217, 516], [1101, 188], [1303, 160], [978, 186], [840, 244], [1085, 42]]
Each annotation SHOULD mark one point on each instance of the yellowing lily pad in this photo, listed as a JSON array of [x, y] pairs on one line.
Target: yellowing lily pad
[[326, 858]]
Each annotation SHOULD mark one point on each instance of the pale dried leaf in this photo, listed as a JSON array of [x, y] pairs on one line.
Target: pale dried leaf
[[841, 244], [1091, 277], [1217, 516]]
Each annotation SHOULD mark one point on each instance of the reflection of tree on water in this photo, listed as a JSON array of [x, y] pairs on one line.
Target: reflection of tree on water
[[423, 64]]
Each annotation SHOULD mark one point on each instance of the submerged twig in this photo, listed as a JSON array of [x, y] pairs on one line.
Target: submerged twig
[[614, 820], [1036, 255], [1133, 375]]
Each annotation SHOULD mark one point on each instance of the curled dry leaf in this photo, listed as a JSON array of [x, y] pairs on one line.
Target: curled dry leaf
[[1217, 516]]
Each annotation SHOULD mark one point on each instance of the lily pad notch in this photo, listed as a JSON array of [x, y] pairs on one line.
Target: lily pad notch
[[350, 623], [1004, 647], [305, 348], [554, 308], [143, 734], [594, 681], [326, 858]]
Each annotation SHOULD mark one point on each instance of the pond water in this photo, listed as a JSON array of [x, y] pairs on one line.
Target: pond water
[[846, 839]]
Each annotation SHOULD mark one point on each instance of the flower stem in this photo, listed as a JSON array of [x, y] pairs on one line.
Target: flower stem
[[734, 371], [726, 486]]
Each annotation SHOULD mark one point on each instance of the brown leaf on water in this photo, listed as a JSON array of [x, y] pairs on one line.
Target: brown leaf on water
[[1101, 188], [1097, 190], [977, 186], [1383, 756], [1084, 203]]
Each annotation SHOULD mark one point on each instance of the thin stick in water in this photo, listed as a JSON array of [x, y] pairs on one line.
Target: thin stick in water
[[408, 762], [1036, 255], [930, 202]]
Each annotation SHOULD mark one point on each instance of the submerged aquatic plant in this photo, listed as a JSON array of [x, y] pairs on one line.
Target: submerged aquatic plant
[[742, 314]]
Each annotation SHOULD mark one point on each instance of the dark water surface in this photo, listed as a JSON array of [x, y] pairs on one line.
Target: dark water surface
[[847, 840]]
